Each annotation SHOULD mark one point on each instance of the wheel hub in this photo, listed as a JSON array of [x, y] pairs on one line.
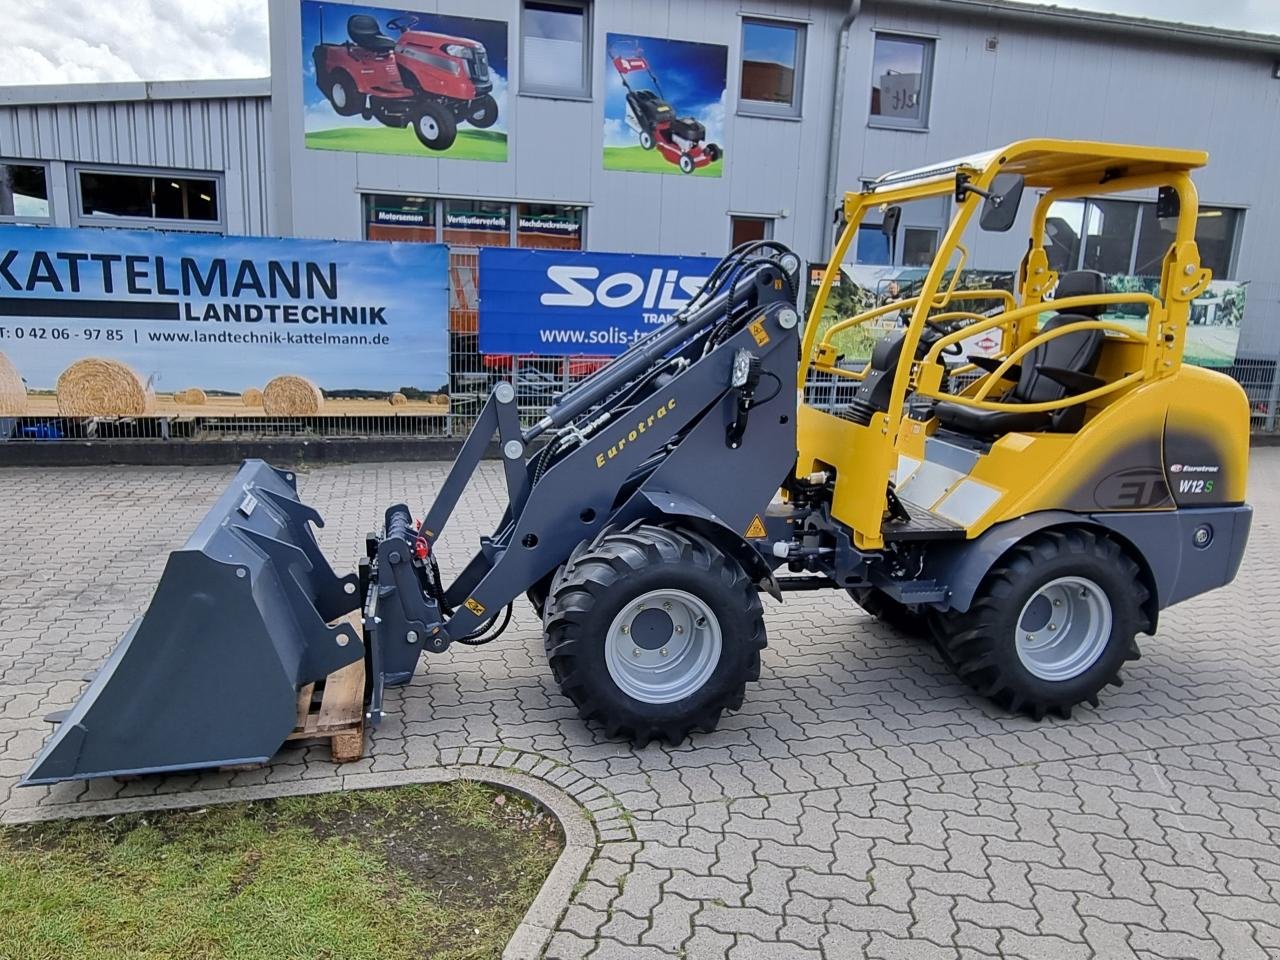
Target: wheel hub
[[663, 646], [1063, 628]]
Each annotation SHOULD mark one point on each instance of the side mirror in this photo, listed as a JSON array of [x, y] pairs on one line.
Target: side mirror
[[889, 227], [1001, 207]]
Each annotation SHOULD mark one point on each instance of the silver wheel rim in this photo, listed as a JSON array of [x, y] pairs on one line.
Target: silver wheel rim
[[663, 646], [1063, 628], [428, 127], [646, 141], [339, 96]]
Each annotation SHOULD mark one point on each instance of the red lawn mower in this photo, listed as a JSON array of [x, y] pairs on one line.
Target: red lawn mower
[[429, 81], [678, 139]]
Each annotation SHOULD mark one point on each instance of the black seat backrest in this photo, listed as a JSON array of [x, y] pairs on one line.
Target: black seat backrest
[[365, 32], [1071, 351]]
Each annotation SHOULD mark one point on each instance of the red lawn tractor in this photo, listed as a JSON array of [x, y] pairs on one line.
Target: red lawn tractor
[[429, 81], [678, 139]]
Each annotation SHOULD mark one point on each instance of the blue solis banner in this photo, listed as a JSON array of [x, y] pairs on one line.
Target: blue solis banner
[[226, 314], [564, 302]]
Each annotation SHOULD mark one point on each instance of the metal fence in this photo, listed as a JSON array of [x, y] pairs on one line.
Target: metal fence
[[539, 379]]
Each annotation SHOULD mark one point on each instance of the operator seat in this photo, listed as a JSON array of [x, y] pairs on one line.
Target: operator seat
[[1051, 371], [365, 33]]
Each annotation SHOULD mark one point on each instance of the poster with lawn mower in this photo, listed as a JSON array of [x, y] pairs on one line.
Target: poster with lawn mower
[[406, 83], [664, 106]]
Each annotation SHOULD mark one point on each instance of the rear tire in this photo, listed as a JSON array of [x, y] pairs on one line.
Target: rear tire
[[646, 140], [614, 609], [1051, 626], [884, 608], [342, 94], [435, 127]]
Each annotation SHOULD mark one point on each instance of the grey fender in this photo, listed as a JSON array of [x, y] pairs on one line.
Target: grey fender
[[698, 517]]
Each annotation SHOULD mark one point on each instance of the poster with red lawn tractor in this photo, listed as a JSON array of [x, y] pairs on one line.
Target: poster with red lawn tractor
[[402, 82], [664, 105]]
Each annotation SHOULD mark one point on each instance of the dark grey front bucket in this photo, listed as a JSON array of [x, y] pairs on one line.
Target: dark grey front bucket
[[210, 674]]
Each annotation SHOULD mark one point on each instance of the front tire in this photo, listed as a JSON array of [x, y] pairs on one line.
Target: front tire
[[435, 127], [1051, 626], [484, 112], [686, 163], [653, 633]]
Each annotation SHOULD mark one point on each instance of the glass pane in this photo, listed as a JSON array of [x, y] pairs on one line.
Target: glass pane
[[391, 217], [1215, 235], [873, 246], [549, 225], [115, 195], [1108, 241], [769, 62], [477, 223], [897, 71], [746, 229], [1062, 229], [23, 192], [552, 37], [184, 199], [919, 246]]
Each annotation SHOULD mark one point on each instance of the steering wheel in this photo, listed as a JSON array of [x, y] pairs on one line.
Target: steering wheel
[[935, 331], [406, 21]]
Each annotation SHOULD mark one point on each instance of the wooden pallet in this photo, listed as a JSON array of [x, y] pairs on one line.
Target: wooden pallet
[[334, 710]]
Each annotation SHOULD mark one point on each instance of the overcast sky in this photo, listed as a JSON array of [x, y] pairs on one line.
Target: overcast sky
[[80, 41]]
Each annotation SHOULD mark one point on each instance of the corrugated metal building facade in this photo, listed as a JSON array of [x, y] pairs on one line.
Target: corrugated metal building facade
[[991, 71]]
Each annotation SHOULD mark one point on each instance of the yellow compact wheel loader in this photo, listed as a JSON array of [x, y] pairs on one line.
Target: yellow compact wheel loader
[[1031, 506]]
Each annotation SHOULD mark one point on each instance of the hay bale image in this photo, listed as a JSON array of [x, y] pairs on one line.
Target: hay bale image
[[252, 397], [13, 392], [398, 399], [193, 397], [97, 387], [291, 396]]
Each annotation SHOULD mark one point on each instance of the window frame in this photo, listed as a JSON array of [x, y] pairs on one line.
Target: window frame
[[584, 91], [438, 201], [48, 189], [81, 219], [765, 108], [930, 45]]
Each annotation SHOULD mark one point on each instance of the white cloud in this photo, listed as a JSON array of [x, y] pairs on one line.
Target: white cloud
[[82, 41], [618, 134]]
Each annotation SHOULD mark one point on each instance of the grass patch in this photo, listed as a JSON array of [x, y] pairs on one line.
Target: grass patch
[[639, 160], [471, 144], [441, 871]]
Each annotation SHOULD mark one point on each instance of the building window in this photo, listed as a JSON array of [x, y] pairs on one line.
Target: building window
[[548, 225], [554, 40], [24, 192], [409, 219], [901, 77], [1216, 231], [147, 199], [772, 68], [919, 246], [748, 229], [872, 245], [1126, 237], [477, 223]]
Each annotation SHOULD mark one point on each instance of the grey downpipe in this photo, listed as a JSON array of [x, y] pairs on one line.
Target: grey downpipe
[[837, 117]]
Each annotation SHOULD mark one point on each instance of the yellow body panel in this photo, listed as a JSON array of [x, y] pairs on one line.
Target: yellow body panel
[[1156, 434]]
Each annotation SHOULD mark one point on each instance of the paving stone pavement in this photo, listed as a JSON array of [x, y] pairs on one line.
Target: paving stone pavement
[[862, 802]]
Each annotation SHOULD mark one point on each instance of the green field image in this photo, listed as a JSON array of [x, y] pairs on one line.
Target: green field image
[[639, 160], [470, 145]]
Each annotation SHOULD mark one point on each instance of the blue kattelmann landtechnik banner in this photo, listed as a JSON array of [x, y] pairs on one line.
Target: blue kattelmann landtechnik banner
[[224, 313], [563, 302]]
